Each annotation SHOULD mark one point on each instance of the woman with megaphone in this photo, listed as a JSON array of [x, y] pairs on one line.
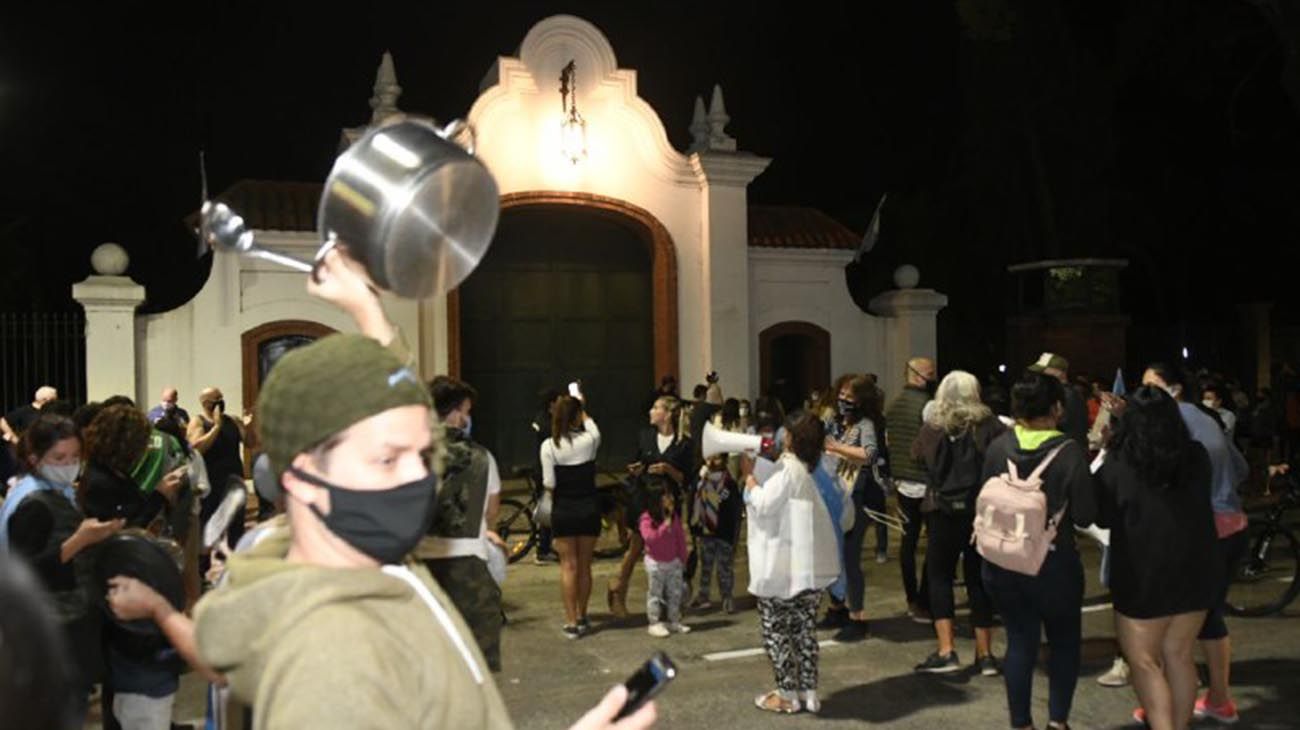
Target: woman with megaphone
[[793, 557], [663, 450]]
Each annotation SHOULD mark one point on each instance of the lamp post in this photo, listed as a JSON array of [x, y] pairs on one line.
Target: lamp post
[[573, 128]]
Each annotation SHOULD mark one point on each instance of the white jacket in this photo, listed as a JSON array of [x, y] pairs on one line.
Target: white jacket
[[792, 546]]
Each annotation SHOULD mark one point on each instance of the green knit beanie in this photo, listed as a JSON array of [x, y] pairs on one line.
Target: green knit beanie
[[321, 389]]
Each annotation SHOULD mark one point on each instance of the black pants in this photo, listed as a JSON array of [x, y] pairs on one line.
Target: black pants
[[874, 500], [1049, 602], [911, 508], [949, 541], [855, 581]]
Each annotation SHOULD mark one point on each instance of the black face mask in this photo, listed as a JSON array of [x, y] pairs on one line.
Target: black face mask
[[385, 524], [847, 407]]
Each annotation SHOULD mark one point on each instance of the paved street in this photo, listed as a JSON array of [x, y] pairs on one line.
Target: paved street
[[549, 681]]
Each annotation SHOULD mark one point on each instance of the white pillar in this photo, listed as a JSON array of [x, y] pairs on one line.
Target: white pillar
[[911, 329], [110, 300], [724, 315]]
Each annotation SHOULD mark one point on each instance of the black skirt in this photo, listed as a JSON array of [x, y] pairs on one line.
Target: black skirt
[[575, 511]]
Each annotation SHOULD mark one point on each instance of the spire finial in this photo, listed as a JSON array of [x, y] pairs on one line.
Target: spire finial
[[384, 101], [718, 120]]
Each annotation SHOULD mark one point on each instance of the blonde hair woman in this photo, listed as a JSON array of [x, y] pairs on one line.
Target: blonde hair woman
[[957, 432]]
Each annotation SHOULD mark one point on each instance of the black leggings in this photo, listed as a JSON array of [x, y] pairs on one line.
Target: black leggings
[[911, 509], [1230, 551], [950, 540]]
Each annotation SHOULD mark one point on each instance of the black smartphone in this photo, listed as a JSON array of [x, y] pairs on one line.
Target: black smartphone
[[648, 682]]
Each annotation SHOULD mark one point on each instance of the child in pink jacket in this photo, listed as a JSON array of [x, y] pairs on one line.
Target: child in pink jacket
[[665, 561]]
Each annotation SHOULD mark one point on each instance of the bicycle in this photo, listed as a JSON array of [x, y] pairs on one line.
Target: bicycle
[[515, 518], [520, 532], [1267, 580]]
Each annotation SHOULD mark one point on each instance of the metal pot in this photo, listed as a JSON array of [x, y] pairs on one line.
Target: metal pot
[[416, 209]]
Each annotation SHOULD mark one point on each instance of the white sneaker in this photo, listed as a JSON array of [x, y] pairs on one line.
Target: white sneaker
[[1117, 676], [658, 630], [679, 628], [811, 703]]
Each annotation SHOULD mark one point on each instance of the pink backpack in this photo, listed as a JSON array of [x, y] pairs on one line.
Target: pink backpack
[[1012, 529]]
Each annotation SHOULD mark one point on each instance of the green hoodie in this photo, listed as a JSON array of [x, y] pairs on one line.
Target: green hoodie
[[309, 646]]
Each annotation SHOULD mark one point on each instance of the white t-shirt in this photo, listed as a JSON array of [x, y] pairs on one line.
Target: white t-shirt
[[664, 441], [579, 448]]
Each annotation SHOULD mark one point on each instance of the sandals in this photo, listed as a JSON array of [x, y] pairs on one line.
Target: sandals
[[772, 701]]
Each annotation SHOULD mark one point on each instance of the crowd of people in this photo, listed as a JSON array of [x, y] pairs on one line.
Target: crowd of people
[[377, 507]]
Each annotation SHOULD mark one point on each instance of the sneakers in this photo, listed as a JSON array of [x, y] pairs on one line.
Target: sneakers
[[1226, 714], [661, 630], [882, 557], [571, 631], [1117, 676], [701, 603], [938, 663], [810, 701], [852, 631], [541, 558], [584, 626], [918, 614], [988, 666], [835, 618], [727, 606]]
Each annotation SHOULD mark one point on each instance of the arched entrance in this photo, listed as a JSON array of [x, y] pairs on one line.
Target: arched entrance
[[794, 360], [265, 344], [574, 287]]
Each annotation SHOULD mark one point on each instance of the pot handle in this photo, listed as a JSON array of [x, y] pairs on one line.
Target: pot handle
[[454, 128]]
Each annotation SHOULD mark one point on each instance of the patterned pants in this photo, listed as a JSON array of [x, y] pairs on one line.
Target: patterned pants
[[665, 593], [470, 587], [790, 637], [716, 551]]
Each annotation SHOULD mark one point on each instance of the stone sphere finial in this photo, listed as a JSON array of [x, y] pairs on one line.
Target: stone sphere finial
[[109, 259], [907, 276]]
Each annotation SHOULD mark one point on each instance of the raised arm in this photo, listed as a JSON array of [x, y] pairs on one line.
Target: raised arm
[[201, 439]]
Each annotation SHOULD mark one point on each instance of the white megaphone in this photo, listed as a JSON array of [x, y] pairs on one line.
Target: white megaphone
[[716, 441]]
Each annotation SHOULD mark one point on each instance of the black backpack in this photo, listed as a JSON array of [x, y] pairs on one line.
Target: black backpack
[[956, 480]]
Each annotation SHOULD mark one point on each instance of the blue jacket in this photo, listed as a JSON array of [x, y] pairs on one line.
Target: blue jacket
[[834, 500], [1228, 467]]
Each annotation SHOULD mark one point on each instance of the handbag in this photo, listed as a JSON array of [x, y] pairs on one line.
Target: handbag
[[542, 514]]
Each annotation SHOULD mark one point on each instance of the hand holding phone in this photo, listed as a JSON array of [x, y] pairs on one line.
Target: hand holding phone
[[647, 682]]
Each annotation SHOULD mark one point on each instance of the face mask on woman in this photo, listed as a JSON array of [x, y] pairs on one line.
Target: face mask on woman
[[64, 474]]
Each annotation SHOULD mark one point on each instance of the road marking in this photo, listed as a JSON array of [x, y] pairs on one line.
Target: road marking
[[719, 656], [1098, 607]]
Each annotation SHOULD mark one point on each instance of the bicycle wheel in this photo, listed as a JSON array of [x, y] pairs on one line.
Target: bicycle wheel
[[1268, 578], [515, 526]]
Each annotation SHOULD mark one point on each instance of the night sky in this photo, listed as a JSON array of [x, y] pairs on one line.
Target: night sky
[[1004, 130]]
